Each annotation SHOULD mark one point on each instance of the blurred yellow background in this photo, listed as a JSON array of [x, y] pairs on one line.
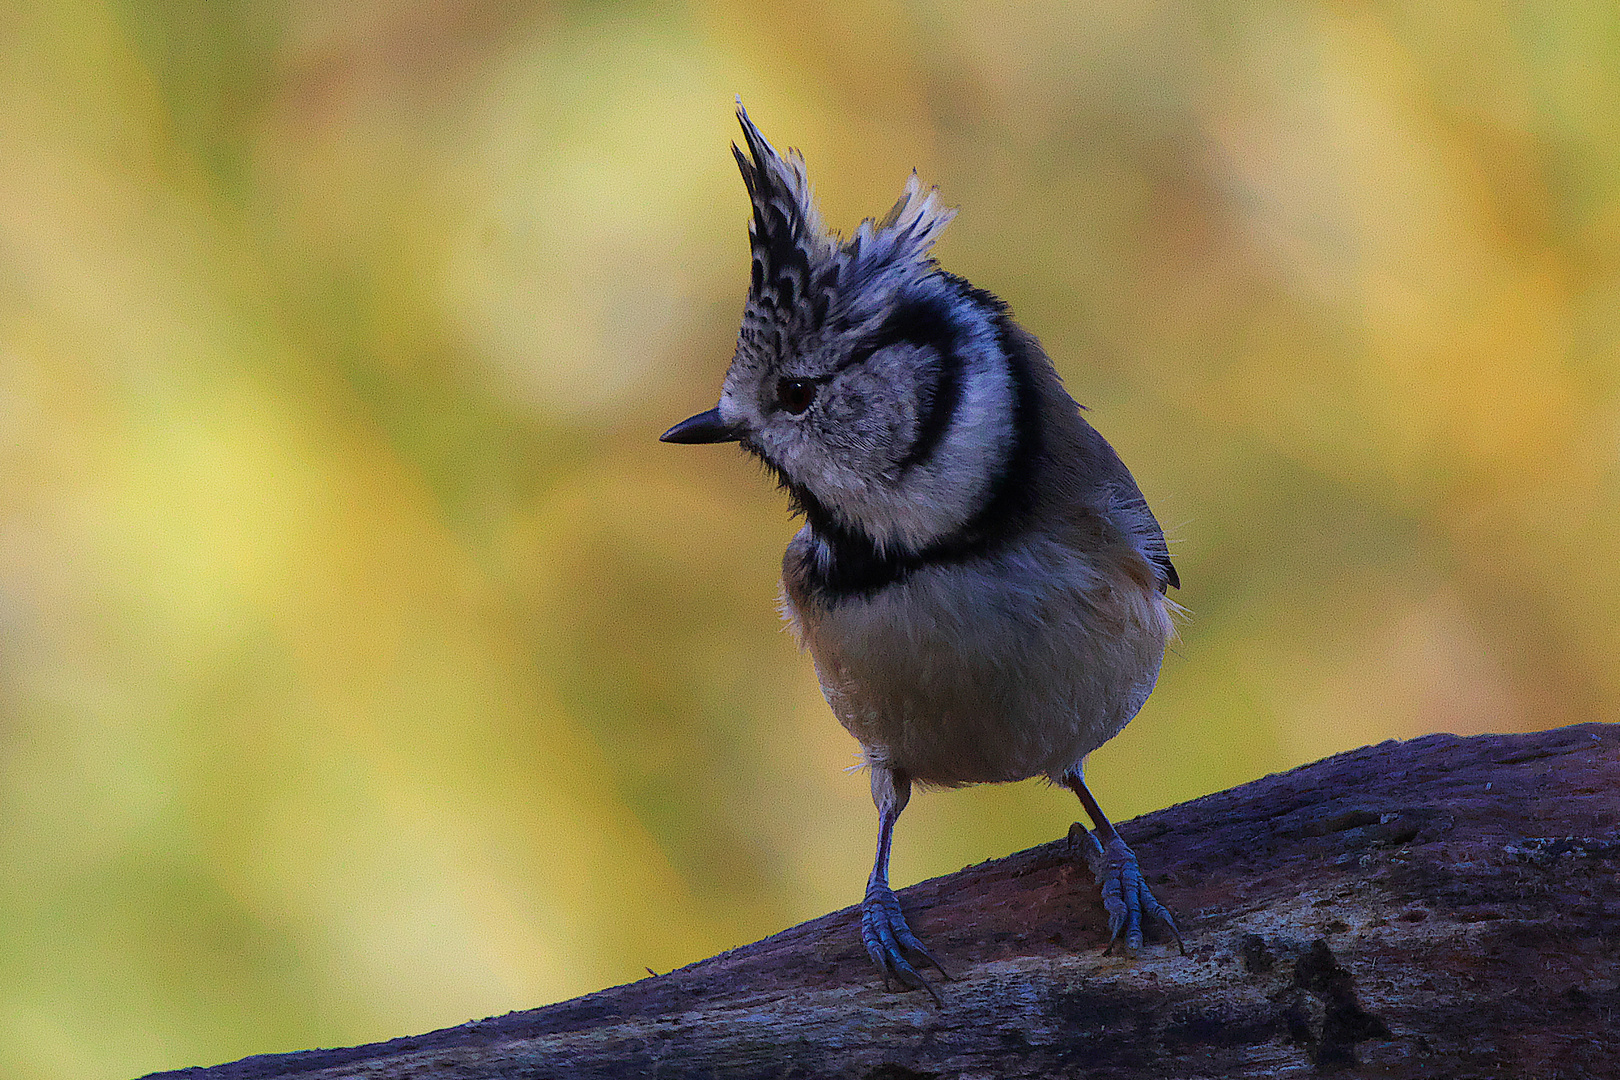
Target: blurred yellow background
[[365, 663]]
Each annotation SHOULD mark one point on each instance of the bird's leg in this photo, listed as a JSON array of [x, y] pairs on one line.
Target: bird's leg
[[1125, 895], [889, 941]]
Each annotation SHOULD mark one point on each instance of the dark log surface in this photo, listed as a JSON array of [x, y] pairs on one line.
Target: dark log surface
[[1445, 907]]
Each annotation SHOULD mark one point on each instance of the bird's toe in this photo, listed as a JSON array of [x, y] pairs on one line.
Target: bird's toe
[[892, 946], [1125, 894]]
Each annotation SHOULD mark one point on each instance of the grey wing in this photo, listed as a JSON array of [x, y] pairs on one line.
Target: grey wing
[[1132, 511], [1129, 510]]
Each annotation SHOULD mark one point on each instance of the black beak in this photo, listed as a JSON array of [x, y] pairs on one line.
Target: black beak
[[705, 427]]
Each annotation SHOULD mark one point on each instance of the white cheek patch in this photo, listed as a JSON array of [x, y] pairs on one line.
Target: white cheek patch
[[852, 451], [912, 508]]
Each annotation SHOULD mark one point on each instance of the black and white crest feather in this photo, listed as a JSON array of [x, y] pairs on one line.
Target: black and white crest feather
[[804, 275]]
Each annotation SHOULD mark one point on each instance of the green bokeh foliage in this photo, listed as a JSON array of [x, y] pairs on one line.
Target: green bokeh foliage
[[365, 664]]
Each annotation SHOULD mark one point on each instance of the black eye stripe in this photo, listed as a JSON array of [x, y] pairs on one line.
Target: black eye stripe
[[925, 324], [857, 567], [940, 398], [918, 322]]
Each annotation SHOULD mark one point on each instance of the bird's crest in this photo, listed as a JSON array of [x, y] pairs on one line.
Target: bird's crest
[[800, 267]]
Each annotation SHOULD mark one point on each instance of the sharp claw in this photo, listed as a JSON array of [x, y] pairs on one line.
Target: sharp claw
[[908, 942], [928, 986], [888, 940], [1125, 895]]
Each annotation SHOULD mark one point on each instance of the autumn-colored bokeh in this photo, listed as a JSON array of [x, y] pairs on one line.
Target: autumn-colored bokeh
[[366, 665]]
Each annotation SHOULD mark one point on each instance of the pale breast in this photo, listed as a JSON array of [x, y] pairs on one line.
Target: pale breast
[[999, 668]]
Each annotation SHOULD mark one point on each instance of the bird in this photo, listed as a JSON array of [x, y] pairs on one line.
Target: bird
[[978, 580]]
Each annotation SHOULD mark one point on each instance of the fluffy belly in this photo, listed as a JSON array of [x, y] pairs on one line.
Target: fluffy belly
[[959, 677]]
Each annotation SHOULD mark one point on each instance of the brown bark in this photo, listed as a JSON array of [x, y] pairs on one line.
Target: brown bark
[[1445, 907]]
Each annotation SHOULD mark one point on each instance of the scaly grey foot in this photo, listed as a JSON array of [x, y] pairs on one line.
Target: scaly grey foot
[[1125, 895], [891, 944]]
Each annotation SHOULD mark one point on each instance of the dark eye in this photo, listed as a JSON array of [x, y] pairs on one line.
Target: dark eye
[[795, 395]]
